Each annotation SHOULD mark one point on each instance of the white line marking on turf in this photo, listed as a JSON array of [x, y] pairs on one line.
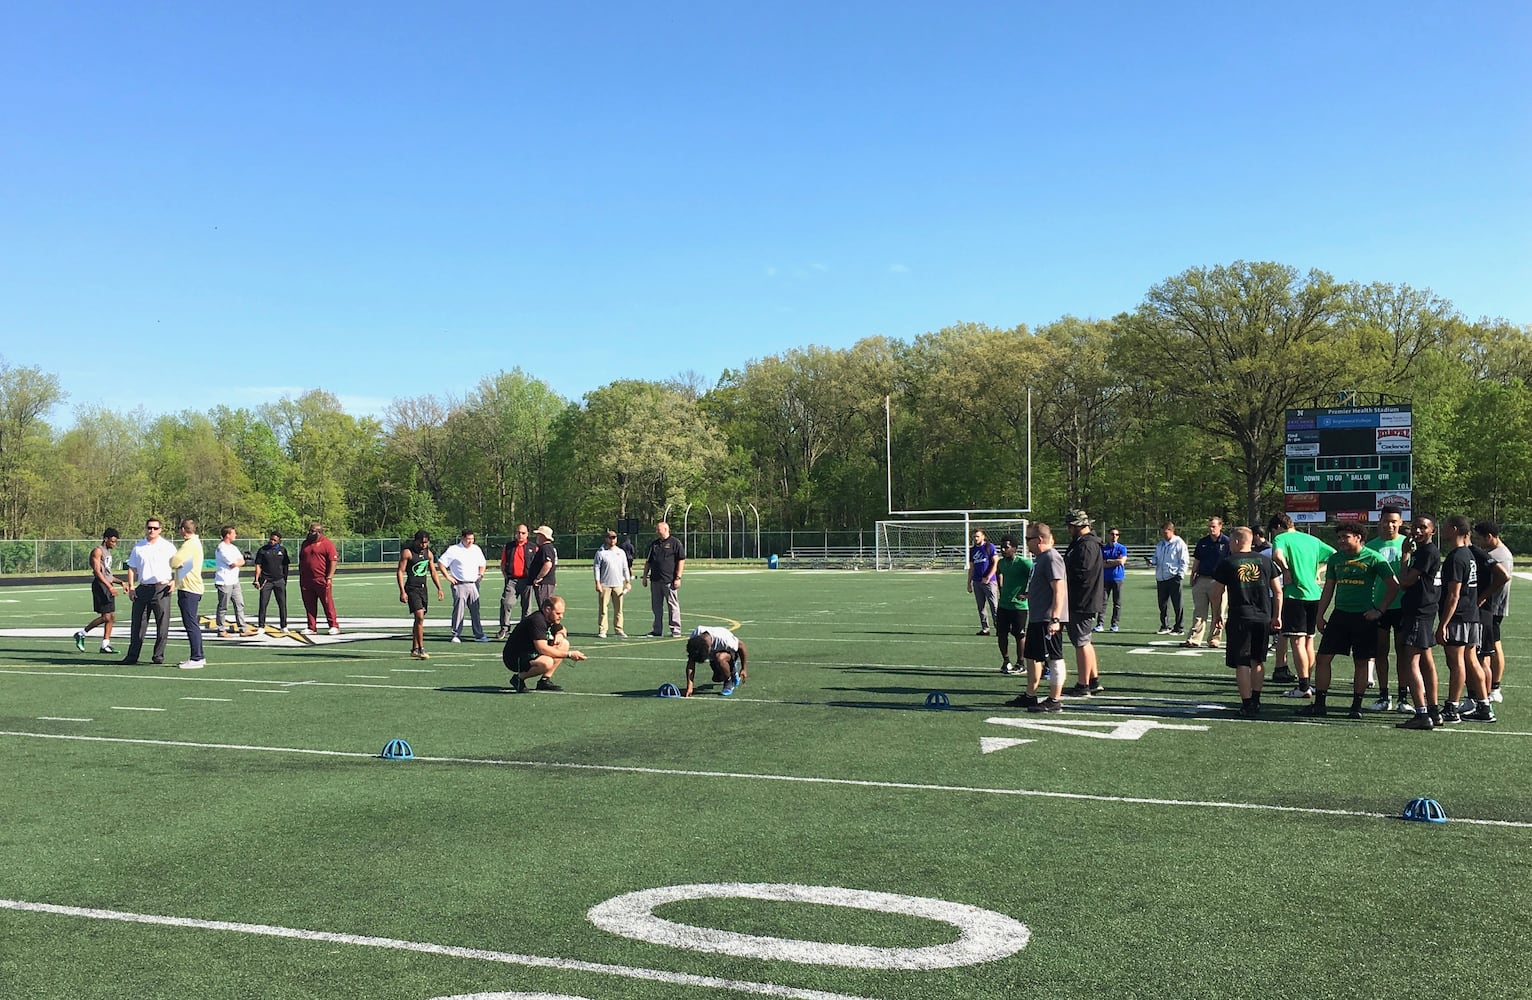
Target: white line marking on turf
[[192, 698], [788, 778], [983, 935], [61, 718], [261, 691], [414, 670], [130, 708], [480, 954], [366, 677]]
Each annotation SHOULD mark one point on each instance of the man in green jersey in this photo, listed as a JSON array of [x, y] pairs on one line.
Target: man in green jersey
[[1014, 571], [1352, 630], [1389, 543], [1298, 555]]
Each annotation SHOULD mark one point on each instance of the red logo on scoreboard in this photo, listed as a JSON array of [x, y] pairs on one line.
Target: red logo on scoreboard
[[1303, 501]]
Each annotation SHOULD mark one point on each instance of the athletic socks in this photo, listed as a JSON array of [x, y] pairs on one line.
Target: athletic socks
[[1319, 697], [1356, 703]]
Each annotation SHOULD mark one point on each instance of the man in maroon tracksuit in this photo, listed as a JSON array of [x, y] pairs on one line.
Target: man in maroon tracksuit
[[317, 562]]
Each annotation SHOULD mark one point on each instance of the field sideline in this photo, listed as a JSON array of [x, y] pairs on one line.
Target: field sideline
[[232, 832]]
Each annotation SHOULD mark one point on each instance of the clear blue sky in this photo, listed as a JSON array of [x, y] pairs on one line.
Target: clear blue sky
[[387, 199]]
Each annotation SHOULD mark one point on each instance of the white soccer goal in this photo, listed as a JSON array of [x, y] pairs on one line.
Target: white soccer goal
[[939, 544]]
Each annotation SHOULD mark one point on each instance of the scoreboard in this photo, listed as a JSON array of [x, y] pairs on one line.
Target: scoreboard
[[1344, 463]]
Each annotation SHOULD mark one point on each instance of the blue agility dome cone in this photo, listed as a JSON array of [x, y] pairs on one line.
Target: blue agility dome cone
[[938, 699], [397, 750], [1425, 811], [668, 691]]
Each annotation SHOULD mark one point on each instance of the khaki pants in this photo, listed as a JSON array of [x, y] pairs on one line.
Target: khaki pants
[[614, 594], [1203, 611]]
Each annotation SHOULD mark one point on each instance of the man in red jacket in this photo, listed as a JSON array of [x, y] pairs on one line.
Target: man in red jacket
[[515, 566], [317, 562]]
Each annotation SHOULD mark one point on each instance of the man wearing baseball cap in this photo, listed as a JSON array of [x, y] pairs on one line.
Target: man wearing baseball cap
[[1087, 599]]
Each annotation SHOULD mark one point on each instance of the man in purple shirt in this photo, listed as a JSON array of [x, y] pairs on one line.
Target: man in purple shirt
[[981, 579]]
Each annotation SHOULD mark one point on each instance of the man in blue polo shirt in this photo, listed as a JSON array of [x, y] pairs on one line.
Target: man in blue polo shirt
[[1212, 549], [1114, 569]]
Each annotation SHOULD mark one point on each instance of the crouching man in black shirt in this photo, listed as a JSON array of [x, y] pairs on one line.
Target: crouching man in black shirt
[[537, 646]]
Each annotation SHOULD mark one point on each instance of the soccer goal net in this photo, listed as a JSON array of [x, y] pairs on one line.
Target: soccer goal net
[[938, 544]]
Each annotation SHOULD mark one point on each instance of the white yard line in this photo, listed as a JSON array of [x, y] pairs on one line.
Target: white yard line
[[426, 948], [262, 691], [61, 718], [131, 708], [786, 778], [193, 698]]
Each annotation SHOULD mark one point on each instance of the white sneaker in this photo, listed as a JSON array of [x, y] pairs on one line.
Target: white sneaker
[[1382, 705], [108, 649], [600, 635], [1495, 696], [1297, 693], [456, 639], [334, 630], [1405, 708], [192, 664]]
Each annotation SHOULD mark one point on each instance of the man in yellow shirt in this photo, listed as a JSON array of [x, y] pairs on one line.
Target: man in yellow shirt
[[187, 563]]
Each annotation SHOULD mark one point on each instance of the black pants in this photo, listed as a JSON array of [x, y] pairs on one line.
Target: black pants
[[149, 599], [1169, 593], [1114, 594], [268, 588]]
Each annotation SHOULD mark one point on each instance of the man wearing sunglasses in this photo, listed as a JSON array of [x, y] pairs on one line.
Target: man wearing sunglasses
[[149, 580]]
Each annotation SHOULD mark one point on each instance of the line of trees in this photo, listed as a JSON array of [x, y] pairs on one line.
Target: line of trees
[[1173, 410]]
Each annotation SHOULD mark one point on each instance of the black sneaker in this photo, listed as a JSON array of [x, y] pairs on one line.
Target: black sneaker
[[1415, 722], [1355, 713], [517, 684], [1095, 687], [1481, 714], [1023, 701], [1047, 705], [1078, 691], [1450, 714], [1284, 676], [544, 684], [1314, 711]]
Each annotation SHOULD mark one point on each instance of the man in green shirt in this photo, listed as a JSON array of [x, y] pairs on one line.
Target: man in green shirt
[[1298, 556], [1014, 572], [1352, 630], [1389, 543]]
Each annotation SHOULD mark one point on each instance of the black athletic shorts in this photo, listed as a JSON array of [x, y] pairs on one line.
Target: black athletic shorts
[[1298, 617], [1011, 621], [1419, 631], [1491, 633], [1391, 620], [1040, 647], [517, 663], [416, 598], [1349, 633], [102, 599], [1245, 643]]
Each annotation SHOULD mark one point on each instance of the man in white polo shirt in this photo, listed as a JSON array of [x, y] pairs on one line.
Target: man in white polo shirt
[[226, 581], [464, 564], [614, 578], [149, 580]]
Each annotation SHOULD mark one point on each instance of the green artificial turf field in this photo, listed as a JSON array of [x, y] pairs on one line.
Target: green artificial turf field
[[231, 832]]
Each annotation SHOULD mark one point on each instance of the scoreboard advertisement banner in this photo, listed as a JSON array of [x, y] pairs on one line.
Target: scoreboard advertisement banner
[[1345, 463]]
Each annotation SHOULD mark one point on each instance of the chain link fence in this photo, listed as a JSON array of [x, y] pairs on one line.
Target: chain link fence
[[850, 547]]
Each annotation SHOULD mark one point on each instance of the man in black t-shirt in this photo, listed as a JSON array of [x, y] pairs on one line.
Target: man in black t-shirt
[[538, 644], [663, 568], [1087, 600], [271, 568], [1254, 588], [1458, 623], [543, 568], [1421, 577]]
